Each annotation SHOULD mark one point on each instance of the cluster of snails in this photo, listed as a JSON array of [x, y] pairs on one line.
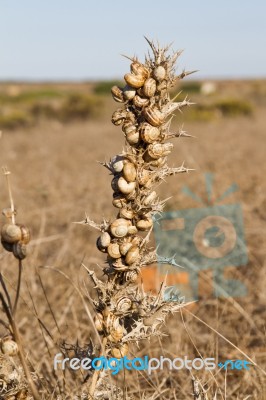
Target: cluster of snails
[[14, 238]]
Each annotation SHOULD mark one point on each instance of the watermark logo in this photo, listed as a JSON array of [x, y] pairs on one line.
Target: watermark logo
[[206, 237]]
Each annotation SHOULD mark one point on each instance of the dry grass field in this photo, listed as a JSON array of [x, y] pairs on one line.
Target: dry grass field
[[56, 179]]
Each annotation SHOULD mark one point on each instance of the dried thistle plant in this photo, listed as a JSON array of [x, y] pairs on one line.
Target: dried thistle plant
[[125, 314]]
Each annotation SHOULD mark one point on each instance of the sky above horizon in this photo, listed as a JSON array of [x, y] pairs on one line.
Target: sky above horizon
[[82, 40]]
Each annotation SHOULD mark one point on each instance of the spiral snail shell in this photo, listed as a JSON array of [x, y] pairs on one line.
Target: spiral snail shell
[[123, 304], [129, 92], [11, 233], [131, 276], [136, 81], [25, 234], [117, 94], [124, 247], [129, 172], [98, 322], [114, 184], [119, 228], [19, 250], [120, 352], [132, 137], [140, 102], [117, 163], [132, 230], [139, 69], [132, 255], [158, 150], [149, 87], [144, 224], [150, 198], [159, 73], [149, 133], [7, 246], [8, 346], [118, 265], [113, 250], [125, 213], [124, 186], [119, 201], [104, 240], [128, 128], [119, 116], [154, 116]]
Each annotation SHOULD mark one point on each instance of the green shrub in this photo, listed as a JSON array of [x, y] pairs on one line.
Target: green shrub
[[234, 107], [15, 119], [104, 87], [190, 87], [80, 106]]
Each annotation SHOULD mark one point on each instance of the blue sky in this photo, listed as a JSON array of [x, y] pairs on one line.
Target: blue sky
[[78, 39]]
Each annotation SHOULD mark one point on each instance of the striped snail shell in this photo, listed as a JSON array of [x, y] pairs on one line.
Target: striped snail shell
[[149, 87], [159, 73], [132, 230], [158, 150], [113, 250], [119, 201], [139, 69], [9, 347], [120, 352], [154, 116], [149, 133], [144, 224], [129, 128], [132, 255], [19, 250], [119, 228], [117, 94], [125, 213], [140, 102], [132, 137], [116, 334], [119, 116], [150, 198], [136, 81], [124, 247], [25, 234], [123, 304], [11, 233], [129, 92], [129, 172], [98, 322], [124, 186], [131, 276]]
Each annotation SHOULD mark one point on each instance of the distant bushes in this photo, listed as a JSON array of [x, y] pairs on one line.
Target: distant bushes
[[104, 87]]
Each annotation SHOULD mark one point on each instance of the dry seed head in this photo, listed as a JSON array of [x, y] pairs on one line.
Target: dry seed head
[[98, 321]]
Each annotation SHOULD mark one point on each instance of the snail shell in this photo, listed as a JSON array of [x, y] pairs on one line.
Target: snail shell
[[143, 176], [131, 196], [111, 321], [132, 137], [132, 230], [7, 246], [140, 102], [136, 81], [98, 322], [123, 304], [157, 150], [114, 184], [149, 87], [9, 347], [19, 250], [120, 352], [144, 224], [150, 198], [119, 201], [116, 334], [117, 163], [139, 69], [128, 128], [117, 94], [125, 213], [131, 276], [159, 73], [129, 92], [129, 172], [132, 255], [104, 239], [154, 116], [25, 234], [119, 116], [158, 163], [118, 265], [149, 133], [124, 247], [119, 228], [136, 241], [113, 250], [11, 233], [124, 186]]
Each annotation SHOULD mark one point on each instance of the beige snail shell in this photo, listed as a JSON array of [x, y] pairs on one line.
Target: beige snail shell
[[111, 321], [132, 255], [119, 116], [9, 347], [125, 213], [129, 92], [124, 186], [157, 163], [20, 250], [159, 73], [154, 116], [144, 224], [132, 230], [133, 137], [150, 198], [124, 247], [117, 94], [140, 102], [123, 304], [116, 334], [136, 81], [149, 133], [25, 234], [139, 69], [149, 87], [129, 128], [11, 233], [136, 241], [117, 163], [120, 352], [104, 239], [119, 228], [113, 250], [119, 201], [98, 322], [129, 172], [131, 276], [158, 150]]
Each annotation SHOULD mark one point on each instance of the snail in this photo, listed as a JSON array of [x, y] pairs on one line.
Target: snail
[[8, 346], [7, 246], [139, 69], [129, 92], [113, 250], [149, 133], [119, 201], [159, 73], [119, 228], [129, 172], [136, 81], [131, 276], [117, 94], [158, 150], [144, 224], [19, 250], [125, 213], [133, 137], [118, 265], [132, 255], [124, 186], [150, 198], [104, 240], [25, 234], [11, 233], [120, 352], [124, 247], [114, 184], [116, 334], [132, 230], [143, 176], [117, 163], [129, 128], [140, 102], [149, 87], [123, 304], [98, 322], [119, 116]]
